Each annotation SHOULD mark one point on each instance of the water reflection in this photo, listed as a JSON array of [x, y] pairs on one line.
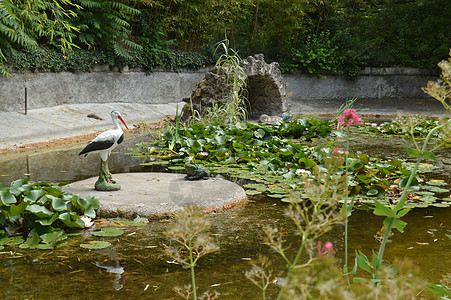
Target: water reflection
[[63, 164]]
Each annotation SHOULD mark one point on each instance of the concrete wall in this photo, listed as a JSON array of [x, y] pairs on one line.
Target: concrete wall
[[373, 83], [133, 86], [100, 86]]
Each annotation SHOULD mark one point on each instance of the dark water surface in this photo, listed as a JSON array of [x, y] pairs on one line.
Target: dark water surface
[[135, 266]]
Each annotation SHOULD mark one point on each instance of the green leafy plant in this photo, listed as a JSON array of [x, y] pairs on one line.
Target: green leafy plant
[[312, 218], [191, 242], [40, 213], [26, 24], [394, 213]]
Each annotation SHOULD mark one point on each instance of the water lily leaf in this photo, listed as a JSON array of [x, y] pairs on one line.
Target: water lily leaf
[[372, 192], [257, 186], [259, 133], [366, 179], [71, 220], [219, 139], [139, 221], [241, 125], [108, 232], [7, 198], [434, 189], [96, 245], [276, 195], [33, 196], [59, 204], [252, 192], [48, 222], [11, 241], [38, 210], [436, 182], [16, 210], [176, 168], [413, 185], [52, 237], [441, 204], [17, 186]]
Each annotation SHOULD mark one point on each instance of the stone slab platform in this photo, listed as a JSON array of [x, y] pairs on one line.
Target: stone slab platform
[[158, 195]]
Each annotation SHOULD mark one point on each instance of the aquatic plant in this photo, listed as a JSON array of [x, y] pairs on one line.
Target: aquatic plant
[[191, 242], [273, 156], [394, 213], [441, 89], [346, 119], [349, 117], [324, 280], [260, 274], [38, 214], [312, 218]]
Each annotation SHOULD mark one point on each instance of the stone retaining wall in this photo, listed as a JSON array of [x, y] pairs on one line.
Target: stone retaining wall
[[133, 86]]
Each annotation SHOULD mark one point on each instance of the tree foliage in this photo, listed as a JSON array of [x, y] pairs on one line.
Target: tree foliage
[[314, 36]]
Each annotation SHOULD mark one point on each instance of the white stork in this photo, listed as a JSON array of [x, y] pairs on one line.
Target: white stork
[[105, 142]]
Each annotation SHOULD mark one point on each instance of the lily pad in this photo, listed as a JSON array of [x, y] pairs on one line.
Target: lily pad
[[96, 245], [257, 186], [252, 192], [108, 232], [276, 195], [432, 188], [436, 182]]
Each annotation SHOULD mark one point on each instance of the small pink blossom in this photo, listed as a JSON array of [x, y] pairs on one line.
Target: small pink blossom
[[348, 118], [87, 220], [338, 152], [327, 250]]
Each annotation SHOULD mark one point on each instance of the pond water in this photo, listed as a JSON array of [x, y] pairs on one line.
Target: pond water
[[136, 266]]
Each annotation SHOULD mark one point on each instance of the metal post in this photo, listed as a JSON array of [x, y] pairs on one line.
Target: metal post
[[26, 101]]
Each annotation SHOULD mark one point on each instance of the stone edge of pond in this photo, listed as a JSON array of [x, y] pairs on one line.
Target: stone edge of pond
[[159, 195]]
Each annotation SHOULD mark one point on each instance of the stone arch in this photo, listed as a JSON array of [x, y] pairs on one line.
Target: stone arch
[[265, 92], [266, 89]]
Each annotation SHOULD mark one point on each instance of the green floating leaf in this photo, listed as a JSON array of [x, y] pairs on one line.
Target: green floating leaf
[[436, 182], [96, 245], [252, 192], [7, 198], [435, 189], [257, 186], [33, 196], [276, 195], [59, 204], [108, 232], [442, 204], [40, 211], [413, 184]]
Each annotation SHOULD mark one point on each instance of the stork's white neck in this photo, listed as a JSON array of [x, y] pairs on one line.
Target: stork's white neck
[[116, 123]]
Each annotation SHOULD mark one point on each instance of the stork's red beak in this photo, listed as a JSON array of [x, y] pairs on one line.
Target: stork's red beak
[[122, 120]]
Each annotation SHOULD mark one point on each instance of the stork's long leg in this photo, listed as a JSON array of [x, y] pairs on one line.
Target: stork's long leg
[[107, 172]]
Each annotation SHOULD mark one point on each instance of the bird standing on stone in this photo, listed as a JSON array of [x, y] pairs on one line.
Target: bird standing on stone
[[103, 144]]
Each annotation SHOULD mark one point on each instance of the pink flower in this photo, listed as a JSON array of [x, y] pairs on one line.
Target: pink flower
[[338, 152], [348, 118], [327, 250]]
